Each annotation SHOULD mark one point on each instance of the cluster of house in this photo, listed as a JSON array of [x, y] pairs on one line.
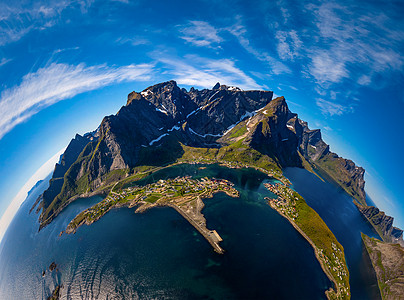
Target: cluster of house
[[285, 201], [338, 267], [186, 183]]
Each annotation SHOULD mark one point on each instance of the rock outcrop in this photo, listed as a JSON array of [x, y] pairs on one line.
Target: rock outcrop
[[388, 262], [382, 223], [70, 156], [343, 171]]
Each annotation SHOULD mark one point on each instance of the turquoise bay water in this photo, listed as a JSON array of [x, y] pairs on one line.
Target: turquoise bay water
[[158, 254]]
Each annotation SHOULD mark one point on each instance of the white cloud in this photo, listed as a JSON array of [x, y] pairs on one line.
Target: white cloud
[[364, 80], [4, 60], [285, 14], [325, 68], [289, 44], [203, 72], [331, 108], [240, 32], [201, 34], [15, 204], [134, 41], [20, 17], [352, 38], [333, 95], [57, 82]]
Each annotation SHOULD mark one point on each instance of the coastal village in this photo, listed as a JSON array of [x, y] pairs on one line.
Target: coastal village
[[332, 258], [237, 165], [184, 194]]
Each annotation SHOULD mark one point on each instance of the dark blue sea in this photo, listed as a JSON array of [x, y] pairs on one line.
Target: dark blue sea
[[159, 255]]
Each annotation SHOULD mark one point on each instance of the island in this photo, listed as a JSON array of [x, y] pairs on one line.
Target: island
[[55, 294], [184, 194], [388, 262], [164, 126], [329, 252], [52, 266]]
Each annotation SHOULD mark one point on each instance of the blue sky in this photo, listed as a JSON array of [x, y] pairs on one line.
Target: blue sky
[[64, 64]]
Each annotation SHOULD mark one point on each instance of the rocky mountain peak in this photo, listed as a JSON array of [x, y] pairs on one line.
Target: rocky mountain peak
[[210, 118], [132, 97], [279, 107], [169, 99], [162, 87]]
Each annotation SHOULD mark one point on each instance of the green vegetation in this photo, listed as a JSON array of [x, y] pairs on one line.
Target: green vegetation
[[388, 263], [114, 176], [239, 130], [235, 151], [179, 192], [71, 185], [55, 294], [333, 168], [236, 154], [153, 198], [78, 219], [97, 147], [328, 250], [159, 155]]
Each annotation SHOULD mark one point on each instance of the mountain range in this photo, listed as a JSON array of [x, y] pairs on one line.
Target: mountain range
[[165, 124]]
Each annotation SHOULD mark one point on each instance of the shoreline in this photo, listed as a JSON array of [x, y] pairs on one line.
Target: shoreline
[[188, 206], [372, 263], [104, 191], [143, 207], [74, 198], [323, 267], [209, 238]]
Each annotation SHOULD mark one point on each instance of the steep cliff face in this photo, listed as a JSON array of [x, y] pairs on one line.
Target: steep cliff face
[[222, 107], [195, 118], [343, 171], [154, 123], [382, 223], [122, 135], [271, 135], [70, 155], [312, 145]]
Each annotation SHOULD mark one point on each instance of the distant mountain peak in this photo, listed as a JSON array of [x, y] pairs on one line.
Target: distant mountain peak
[[216, 87]]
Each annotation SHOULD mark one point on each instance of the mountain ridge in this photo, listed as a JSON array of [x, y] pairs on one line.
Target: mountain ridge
[[233, 123], [382, 223]]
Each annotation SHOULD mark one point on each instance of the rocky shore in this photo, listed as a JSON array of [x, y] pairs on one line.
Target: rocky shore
[[388, 262]]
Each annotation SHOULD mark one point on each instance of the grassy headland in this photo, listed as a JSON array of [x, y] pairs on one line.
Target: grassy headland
[[328, 250]]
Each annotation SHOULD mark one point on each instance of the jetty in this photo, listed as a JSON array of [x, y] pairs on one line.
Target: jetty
[[184, 194]]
